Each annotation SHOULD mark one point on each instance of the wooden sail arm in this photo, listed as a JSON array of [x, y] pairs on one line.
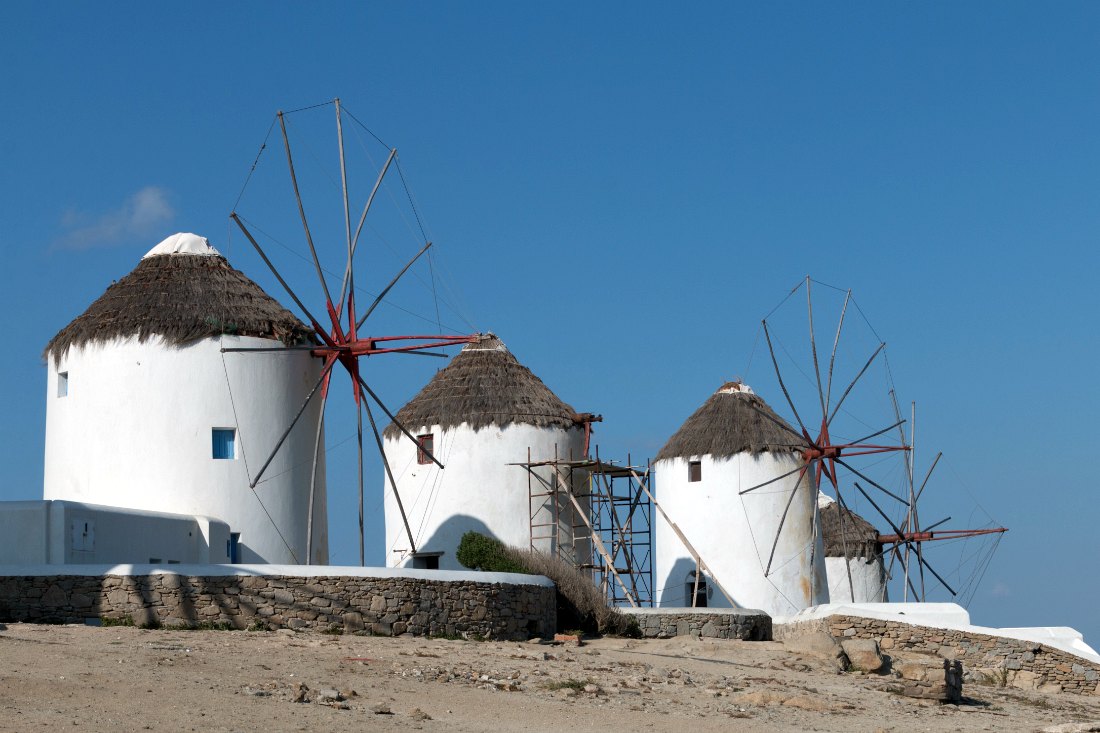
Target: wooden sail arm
[[943, 534]]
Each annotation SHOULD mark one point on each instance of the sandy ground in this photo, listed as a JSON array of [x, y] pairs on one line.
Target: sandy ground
[[128, 679]]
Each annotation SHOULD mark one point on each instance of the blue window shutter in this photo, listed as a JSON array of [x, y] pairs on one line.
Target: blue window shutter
[[224, 443]]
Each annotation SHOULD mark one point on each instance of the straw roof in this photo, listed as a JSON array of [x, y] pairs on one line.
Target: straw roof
[[854, 532], [484, 385], [732, 421], [182, 298]]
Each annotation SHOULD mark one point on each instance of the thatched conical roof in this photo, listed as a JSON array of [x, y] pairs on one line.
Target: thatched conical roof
[[484, 385], [182, 290], [852, 533], [732, 421]]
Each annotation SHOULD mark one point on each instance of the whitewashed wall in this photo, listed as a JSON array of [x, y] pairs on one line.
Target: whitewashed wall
[[734, 533], [868, 580], [477, 491], [24, 539], [134, 431], [60, 532]]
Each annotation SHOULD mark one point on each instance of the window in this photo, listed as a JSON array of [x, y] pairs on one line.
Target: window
[[699, 595], [426, 560], [695, 470], [62, 384], [225, 443], [233, 547], [425, 448]]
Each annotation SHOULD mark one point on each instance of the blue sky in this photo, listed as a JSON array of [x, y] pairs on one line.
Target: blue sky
[[622, 192]]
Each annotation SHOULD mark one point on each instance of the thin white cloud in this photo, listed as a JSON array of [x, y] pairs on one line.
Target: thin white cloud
[[139, 216], [1000, 590]]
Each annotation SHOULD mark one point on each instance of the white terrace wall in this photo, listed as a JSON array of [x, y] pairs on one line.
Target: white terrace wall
[[60, 532], [375, 600], [986, 658]]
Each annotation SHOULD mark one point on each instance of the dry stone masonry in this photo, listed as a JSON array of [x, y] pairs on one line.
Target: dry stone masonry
[[387, 606], [940, 680], [988, 659], [724, 623]]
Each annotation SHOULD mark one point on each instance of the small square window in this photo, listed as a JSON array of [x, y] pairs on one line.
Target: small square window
[[695, 470], [425, 448], [62, 384], [224, 443]]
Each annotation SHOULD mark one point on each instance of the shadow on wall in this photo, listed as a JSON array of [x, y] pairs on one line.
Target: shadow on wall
[[445, 540], [186, 612], [678, 586]]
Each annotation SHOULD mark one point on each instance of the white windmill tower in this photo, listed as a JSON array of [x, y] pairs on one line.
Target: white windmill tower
[[853, 555], [480, 416], [143, 411], [760, 547]]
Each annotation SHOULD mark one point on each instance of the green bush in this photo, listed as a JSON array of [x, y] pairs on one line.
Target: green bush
[[581, 605], [488, 554]]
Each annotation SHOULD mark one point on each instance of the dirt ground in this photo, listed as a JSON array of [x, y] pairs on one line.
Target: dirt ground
[[129, 679]]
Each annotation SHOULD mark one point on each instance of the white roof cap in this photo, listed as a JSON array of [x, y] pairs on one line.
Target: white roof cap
[[183, 243], [734, 387]]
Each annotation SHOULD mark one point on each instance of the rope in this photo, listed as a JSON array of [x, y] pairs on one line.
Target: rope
[[408, 193], [358, 289], [244, 457], [255, 162], [312, 106], [435, 295], [355, 119], [236, 421], [752, 353]]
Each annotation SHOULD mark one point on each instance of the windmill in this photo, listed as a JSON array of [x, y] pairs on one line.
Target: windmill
[[828, 455], [908, 537], [835, 434], [339, 335]]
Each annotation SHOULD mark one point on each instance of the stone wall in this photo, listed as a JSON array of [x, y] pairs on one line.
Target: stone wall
[[390, 605], [988, 659], [718, 623]]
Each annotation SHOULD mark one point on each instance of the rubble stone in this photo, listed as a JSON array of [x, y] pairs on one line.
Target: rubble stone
[[385, 605]]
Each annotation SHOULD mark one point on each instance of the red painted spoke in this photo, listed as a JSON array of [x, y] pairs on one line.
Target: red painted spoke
[[874, 449], [328, 377], [365, 347], [457, 338]]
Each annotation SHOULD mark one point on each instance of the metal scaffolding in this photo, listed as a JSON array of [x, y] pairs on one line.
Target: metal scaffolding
[[598, 516]]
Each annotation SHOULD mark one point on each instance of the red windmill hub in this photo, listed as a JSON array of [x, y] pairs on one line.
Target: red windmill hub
[[827, 454]]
